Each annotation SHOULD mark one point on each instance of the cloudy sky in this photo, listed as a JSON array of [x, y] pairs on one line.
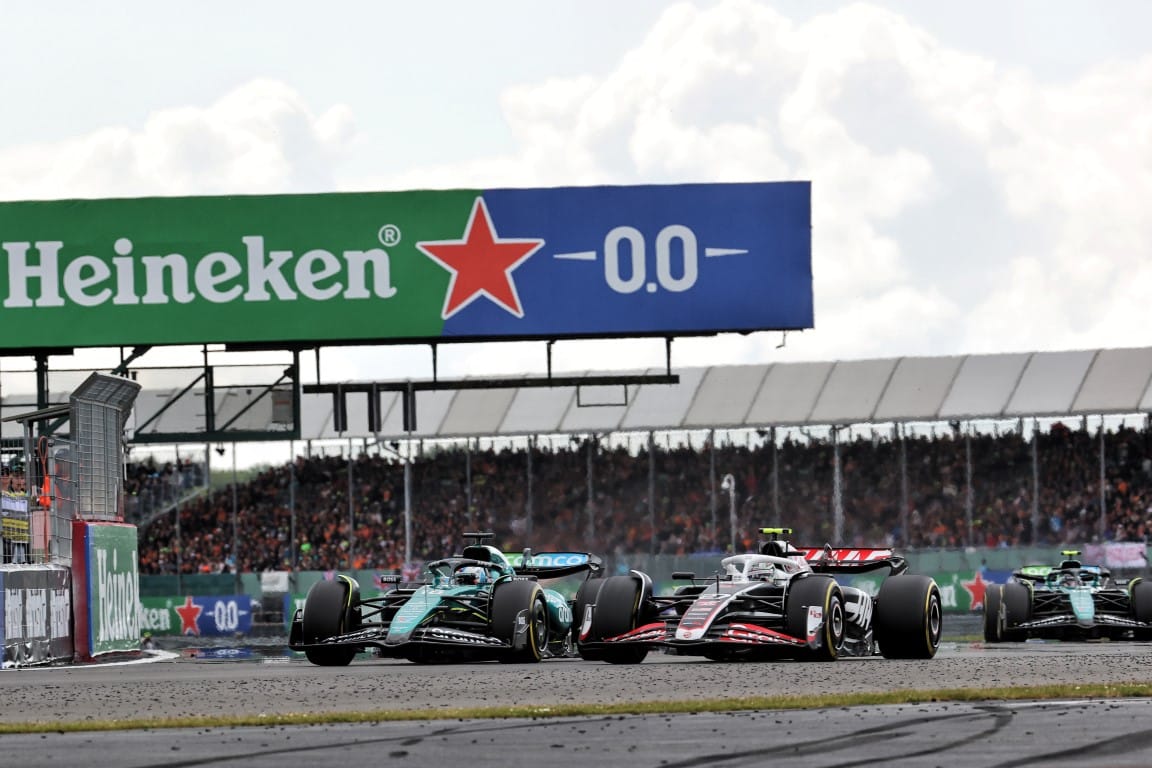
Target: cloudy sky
[[982, 171]]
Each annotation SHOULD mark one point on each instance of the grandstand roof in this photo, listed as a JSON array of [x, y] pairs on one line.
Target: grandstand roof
[[909, 389], [905, 389]]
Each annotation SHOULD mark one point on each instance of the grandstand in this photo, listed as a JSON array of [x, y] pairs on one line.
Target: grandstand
[[983, 450]]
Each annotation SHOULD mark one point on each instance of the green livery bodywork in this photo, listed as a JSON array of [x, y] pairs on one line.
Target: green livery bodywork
[[473, 606]]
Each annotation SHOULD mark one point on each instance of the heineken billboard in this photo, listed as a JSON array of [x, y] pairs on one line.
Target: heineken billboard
[[106, 588], [392, 267]]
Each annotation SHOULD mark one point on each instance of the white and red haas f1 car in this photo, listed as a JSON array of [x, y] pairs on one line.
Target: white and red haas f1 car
[[780, 602]]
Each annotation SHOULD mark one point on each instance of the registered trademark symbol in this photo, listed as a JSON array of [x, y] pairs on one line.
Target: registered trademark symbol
[[389, 234]]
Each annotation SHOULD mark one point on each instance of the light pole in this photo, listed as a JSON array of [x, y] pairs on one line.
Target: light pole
[[729, 484]]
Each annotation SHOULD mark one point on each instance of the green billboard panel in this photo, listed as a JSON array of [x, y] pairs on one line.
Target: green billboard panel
[[497, 264], [110, 585]]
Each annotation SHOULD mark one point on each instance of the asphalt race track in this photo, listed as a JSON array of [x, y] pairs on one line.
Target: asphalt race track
[[992, 734]]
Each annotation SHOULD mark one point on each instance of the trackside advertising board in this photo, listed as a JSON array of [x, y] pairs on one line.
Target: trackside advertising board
[[469, 264], [216, 616], [35, 615], [107, 588]]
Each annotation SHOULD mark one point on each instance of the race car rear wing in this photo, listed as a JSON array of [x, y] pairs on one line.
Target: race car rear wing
[[828, 559], [554, 565]]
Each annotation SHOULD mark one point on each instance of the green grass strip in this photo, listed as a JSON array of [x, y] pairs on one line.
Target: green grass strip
[[1040, 692]]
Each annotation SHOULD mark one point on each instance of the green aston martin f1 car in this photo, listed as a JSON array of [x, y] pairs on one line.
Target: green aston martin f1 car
[[1069, 601], [473, 606]]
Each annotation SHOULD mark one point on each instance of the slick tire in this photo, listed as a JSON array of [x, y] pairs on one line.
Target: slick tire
[[909, 616], [585, 596], [1017, 601], [508, 600], [617, 610], [822, 591], [992, 598], [1140, 604], [329, 610]]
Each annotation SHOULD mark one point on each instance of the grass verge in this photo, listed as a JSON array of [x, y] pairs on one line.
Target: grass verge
[[1088, 691]]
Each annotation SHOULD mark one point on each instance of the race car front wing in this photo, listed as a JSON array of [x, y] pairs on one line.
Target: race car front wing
[[738, 633]]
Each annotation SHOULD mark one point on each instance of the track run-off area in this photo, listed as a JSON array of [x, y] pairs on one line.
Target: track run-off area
[[179, 688]]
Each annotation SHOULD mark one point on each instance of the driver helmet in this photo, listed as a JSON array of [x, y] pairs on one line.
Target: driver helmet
[[761, 570], [1069, 579], [472, 574]]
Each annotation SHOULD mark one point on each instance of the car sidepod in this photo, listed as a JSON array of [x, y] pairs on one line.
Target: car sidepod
[[560, 628]]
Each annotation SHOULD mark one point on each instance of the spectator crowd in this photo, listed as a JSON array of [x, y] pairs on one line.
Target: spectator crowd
[[319, 513]]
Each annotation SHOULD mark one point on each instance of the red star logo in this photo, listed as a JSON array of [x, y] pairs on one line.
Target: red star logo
[[976, 589], [189, 613], [481, 263]]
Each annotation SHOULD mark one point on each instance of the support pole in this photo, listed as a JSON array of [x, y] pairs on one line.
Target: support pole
[[969, 493], [468, 484], [729, 484], [408, 504], [589, 475], [1035, 483], [1103, 480], [651, 493], [837, 490], [295, 562], [528, 497], [713, 496], [351, 511], [235, 523], [775, 478]]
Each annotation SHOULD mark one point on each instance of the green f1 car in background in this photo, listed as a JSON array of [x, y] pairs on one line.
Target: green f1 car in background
[[1069, 601], [473, 606]]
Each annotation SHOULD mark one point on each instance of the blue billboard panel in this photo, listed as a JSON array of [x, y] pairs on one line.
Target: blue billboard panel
[[638, 260]]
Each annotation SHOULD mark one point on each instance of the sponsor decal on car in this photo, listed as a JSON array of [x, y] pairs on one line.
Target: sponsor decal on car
[[699, 616], [815, 622]]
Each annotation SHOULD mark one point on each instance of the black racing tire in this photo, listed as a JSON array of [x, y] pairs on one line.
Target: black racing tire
[[509, 598], [1140, 604], [820, 591], [909, 617], [617, 610], [329, 610], [992, 599], [1017, 601], [585, 596]]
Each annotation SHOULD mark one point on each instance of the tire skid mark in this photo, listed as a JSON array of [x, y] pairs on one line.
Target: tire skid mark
[[855, 739], [1138, 742]]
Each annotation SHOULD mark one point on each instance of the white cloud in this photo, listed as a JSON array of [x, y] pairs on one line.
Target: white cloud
[[958, 205], [260, 138]]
